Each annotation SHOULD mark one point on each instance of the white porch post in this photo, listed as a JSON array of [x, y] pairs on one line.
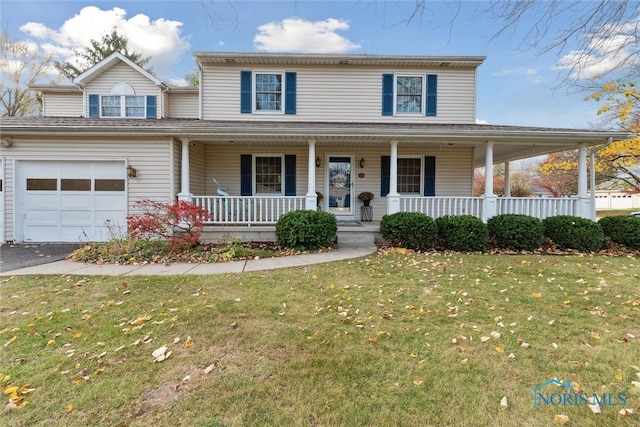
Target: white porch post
[[185, 192], [585, 210], [393, 198], [489, 207], [507, 179], [311, 201]]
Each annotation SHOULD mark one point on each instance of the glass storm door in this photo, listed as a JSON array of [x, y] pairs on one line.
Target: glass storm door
[[340, 200]]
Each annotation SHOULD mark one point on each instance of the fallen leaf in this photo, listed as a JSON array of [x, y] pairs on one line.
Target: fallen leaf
[[561, 419], [69, 408], [503, 402], [208, 369], [595, 408], [159, 351], [417, 382], [536, 294], [499, 349]]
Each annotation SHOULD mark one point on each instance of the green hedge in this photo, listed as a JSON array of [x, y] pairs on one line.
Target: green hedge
[[306, 230], [411, 230], [463, 233], [622, 229], [572, 232], [516, 232]]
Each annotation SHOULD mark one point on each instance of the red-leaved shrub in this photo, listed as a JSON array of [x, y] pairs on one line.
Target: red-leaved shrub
[[179, 223]]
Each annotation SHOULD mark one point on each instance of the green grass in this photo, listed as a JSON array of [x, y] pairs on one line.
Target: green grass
[[394, 339], [614, 212]]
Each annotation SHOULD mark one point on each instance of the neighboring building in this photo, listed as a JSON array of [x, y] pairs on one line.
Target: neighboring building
[[610, 195], [273, 129]]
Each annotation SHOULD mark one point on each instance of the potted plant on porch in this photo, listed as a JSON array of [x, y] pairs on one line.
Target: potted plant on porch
[[366, 213]]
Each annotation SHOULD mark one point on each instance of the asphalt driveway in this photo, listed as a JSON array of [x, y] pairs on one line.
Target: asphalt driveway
[[13, 257]]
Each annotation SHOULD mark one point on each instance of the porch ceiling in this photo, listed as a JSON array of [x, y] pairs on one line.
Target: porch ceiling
[[510, 142]]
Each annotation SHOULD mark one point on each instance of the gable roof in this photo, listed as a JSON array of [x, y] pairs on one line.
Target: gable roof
[[107, 63]]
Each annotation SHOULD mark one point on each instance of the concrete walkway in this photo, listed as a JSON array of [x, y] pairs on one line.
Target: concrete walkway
[[82, 269]]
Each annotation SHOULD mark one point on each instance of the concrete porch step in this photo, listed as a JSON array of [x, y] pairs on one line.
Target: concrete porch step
[[348, 237]]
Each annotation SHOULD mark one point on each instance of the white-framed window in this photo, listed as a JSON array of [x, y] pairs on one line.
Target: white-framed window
[[409, 175], [268, 92], [269, 173], [409, 94], [123, 106]]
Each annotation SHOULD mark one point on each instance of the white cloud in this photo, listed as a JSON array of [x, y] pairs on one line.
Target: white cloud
[[603, 53], [481, 122], [299, 35], [160, 39], [531, 74]]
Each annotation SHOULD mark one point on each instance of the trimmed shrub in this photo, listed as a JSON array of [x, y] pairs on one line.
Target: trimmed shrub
[[411, 230], [572, 232], [463, 233], [622, 229], [306, 230], [516, 232]]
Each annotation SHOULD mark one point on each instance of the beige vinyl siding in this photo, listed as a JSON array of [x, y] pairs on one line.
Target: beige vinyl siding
[[183, 106], [62, 105], [150, 157], [197, 169], [122, 73], [340, 94]]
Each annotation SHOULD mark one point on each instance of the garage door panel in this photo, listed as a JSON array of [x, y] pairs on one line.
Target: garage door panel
[[84, 218], [71, 202], [76, 208], [41, 201], [112, 202], [43, 217]]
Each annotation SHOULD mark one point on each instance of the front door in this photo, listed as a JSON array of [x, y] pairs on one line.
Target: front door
[[340, 186]]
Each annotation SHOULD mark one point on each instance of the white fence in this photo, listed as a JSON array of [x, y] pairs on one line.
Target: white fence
[[247, 210]]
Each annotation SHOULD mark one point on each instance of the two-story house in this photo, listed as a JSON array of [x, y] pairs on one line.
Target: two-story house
[[278, 132]]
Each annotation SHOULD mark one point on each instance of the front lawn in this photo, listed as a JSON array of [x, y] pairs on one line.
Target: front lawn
[[393, 339]]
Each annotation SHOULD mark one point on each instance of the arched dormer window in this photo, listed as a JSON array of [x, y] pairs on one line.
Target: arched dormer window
[[122, 102]]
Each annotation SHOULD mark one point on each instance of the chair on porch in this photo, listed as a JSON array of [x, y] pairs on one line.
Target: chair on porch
[[222, 207]]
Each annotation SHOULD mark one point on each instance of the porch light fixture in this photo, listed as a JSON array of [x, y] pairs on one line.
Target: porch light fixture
[[362, 162], [131, 171], [6, 143], [317, 162]]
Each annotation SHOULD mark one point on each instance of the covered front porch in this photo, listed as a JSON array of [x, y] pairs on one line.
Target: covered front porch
[[367, 159]]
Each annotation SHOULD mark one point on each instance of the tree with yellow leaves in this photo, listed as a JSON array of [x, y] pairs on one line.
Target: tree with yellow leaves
[[620, 104]]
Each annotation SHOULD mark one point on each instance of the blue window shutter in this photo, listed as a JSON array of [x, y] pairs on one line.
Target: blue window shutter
[[432, 94], [246, 180], [289, 175], [429, 176], [245, 92], [151, 107], [94, 106], [290, 93], [385, 172], [387, 94]]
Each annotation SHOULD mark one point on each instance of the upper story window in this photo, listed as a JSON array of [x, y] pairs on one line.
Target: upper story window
[[122, 103], [409, 94], [123, 106], [268, 92]]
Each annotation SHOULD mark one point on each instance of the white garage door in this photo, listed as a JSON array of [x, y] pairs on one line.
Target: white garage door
[[72, 201]]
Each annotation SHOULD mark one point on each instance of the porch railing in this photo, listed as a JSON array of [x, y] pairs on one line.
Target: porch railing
[[243, 210], [440, 206], [539, 207]]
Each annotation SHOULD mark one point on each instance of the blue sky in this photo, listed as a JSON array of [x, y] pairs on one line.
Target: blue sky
[[516, 85]]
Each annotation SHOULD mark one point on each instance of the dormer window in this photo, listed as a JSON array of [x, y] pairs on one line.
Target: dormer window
[[122, 103]]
